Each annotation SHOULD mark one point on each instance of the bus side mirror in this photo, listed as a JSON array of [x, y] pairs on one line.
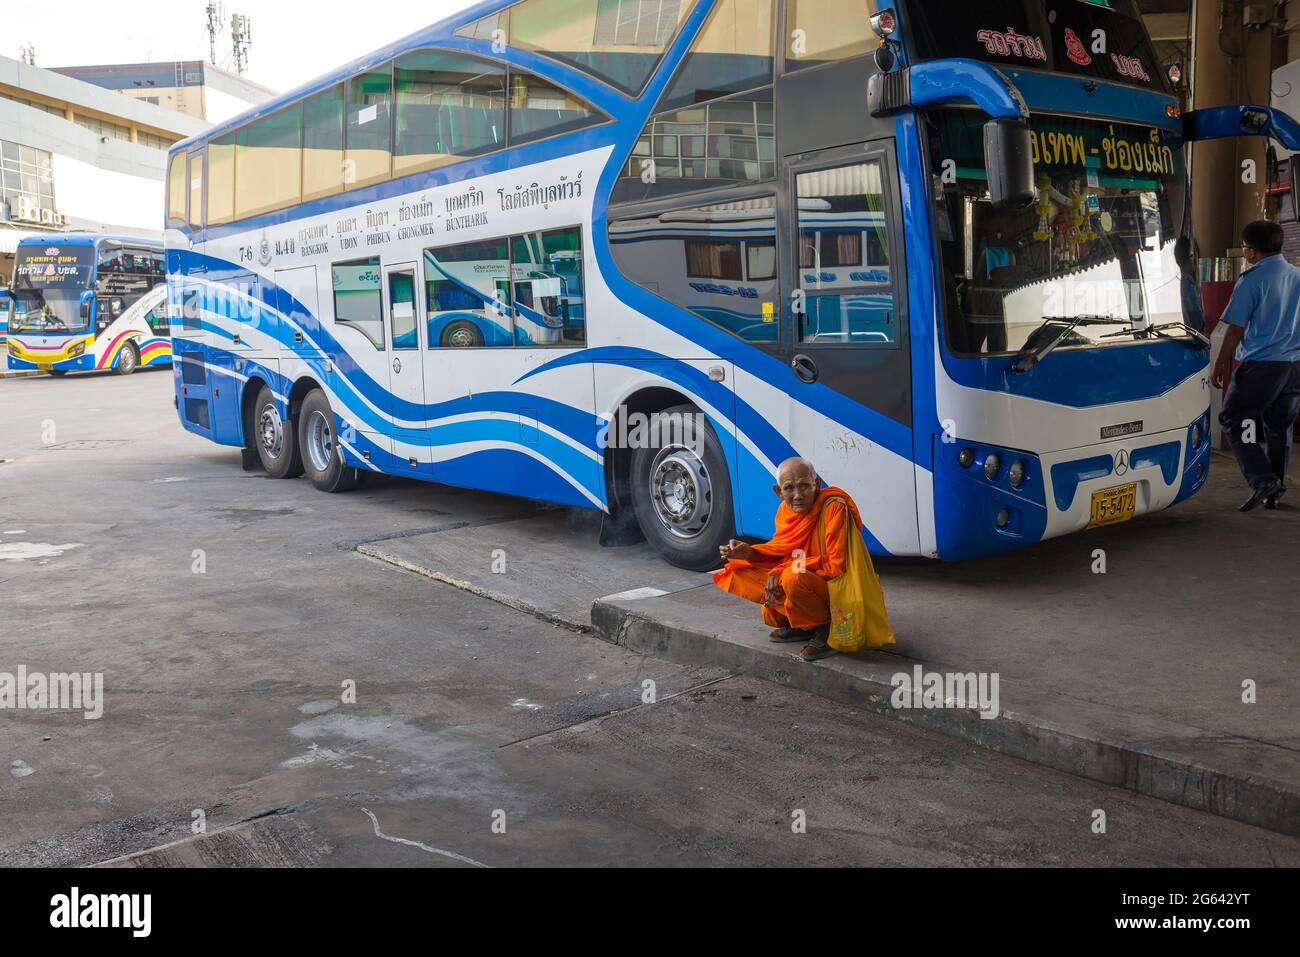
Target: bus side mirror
[[1009, 160], [87, 304]]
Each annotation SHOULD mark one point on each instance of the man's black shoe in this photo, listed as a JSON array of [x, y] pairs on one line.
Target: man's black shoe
[[1262, 495], [1273, 501]]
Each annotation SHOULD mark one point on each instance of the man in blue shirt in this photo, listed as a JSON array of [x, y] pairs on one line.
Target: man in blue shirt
[[1263, 320]]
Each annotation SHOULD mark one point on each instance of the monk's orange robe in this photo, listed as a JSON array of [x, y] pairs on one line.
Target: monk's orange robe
[[807, 596]]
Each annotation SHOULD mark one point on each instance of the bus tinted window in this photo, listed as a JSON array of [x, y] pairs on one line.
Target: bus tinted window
[[722, 143], [734, 52], [449, 107], [843, 254], [717, 261], [177, 187], [221, 180], [369, 97], [359, 298], [547, 285], [822, 31], [196, 189], [617, 41], [469, 295], [322, 144], [539, 109], [268, 163]]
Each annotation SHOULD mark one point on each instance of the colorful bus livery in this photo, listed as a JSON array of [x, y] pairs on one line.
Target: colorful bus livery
[[470, 256], [86, 303]]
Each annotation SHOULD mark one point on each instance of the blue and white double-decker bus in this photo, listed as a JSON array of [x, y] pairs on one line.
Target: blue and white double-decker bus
[[927, 246]]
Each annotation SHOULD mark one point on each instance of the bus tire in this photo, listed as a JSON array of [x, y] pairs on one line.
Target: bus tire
[[128, 360], [322, 456], [462, 334], [275, 439], [683, 499], [57, 373]]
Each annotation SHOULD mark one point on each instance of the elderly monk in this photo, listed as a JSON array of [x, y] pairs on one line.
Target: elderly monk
[[788, 576]]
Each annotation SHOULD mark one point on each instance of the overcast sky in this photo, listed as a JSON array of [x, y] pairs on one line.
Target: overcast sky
[[293, 40]]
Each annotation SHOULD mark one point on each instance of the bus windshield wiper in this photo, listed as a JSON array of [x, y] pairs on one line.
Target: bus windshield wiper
[[1197, 338], [1030, 356]]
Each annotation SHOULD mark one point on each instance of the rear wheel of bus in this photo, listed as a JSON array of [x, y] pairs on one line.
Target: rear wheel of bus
[[128, 360], [681, 490], [322, 456], [277, 440]]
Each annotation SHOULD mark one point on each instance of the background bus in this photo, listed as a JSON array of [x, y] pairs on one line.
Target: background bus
[[934, 257], [4, 315], [84, 302]]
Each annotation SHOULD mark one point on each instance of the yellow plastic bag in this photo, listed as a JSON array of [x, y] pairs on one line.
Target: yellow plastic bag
[[858, 617]]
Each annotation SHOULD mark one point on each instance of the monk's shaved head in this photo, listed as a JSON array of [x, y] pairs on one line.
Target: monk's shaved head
[[792, 467], [796, 484]]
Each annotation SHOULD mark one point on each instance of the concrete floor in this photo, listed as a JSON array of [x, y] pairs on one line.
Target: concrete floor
[[223, 696]]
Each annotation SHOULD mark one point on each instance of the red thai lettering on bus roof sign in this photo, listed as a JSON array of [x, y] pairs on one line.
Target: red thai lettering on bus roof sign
[[1012, 43]]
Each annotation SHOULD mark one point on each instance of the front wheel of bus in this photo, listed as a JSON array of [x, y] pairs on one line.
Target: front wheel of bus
[[462, 334], [277, 440], [681, 490], [322, 456], [128, 360]]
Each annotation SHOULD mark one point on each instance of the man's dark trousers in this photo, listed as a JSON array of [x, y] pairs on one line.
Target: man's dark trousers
[[1267, 394]]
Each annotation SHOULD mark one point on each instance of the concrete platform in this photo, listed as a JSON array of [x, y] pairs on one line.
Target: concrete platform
[[1133, 677]]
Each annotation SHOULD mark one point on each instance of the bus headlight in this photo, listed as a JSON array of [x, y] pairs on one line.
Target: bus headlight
[[992, 466], [1017, 473], [966, 458], [1003, 519], [1197, 436]]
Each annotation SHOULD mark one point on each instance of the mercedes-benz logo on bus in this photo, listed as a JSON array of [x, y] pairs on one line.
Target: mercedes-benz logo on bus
[[1121, 462]]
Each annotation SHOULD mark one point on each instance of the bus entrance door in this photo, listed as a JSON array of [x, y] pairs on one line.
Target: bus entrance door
[[845, 293], [402, 304]]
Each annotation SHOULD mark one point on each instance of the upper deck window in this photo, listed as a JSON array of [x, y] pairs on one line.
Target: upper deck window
[[449, 107], [734, 52], [221, 180], [369, 155], [322, 144], [823, 31], [620, 42], [268, 163]]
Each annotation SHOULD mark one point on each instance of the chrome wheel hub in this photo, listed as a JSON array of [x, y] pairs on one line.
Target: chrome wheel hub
[[321, 449], [682, 492], [461, 338], [270, 431]]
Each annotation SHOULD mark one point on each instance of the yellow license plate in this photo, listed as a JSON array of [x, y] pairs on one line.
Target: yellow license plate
[[1114, 505]]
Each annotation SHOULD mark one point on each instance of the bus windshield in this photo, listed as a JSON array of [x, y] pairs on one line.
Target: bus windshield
[[1098, 247], [1101, 39], [48, 286]]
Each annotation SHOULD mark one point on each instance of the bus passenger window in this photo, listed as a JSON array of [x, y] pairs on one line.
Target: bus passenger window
[[824, 31], [177, 188], [322, 145], [733, 53], [196, 189], [221, 180], [547, 284], [844, 267], [401, 310], [449, 107], [358, 298], [539, 109], [369, 159], [617, 41], [717, 261], [468, 295], [268, 163]]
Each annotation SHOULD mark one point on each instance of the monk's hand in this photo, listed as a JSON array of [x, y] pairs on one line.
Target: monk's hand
[[773, 593], [735, 549]]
